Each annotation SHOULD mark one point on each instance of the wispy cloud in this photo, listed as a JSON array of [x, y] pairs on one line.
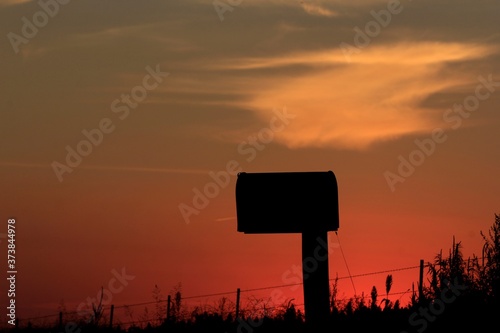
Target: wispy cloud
[[12, 2], [401, 53], [314, 9], [377, 97], [110, 168]]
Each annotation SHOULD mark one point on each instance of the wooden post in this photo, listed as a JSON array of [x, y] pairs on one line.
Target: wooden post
[[315, 277], [60, 319], [111, 316], [295, 202], [168, 308], [237, 303], [421, 282]]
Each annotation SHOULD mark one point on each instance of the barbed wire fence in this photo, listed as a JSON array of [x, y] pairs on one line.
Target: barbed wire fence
[[228, 305]]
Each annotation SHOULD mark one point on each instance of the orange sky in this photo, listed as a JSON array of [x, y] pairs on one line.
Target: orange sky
[[114, 114]]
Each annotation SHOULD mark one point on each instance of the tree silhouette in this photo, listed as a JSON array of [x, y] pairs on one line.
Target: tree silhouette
[[490, 273]]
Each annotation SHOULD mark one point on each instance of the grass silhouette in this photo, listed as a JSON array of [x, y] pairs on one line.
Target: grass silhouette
[[460, 293]]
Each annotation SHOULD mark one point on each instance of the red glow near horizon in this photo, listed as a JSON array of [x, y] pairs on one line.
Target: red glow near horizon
[[280, 96]]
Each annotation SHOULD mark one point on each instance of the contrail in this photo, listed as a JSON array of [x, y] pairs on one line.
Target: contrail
[[222, 219], [110, 168], [24, 165], [144, 169]]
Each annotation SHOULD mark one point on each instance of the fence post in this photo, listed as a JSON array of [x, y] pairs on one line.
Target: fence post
[[168, 308], [237, 303], [421, 282], [111, 312]]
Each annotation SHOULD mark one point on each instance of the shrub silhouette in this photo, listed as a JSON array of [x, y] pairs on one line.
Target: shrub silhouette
[[476, 303]]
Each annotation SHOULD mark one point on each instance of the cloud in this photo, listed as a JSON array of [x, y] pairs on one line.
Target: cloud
[[376, 97], [12, 2], [317, 10]]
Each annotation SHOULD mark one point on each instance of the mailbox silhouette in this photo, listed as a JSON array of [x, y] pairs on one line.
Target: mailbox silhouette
[[294, 202], [287, 202]]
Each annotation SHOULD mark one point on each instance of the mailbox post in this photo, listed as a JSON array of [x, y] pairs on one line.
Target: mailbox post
[[294, 202]]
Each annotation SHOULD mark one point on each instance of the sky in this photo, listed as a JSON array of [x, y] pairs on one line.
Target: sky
[[124, 124]]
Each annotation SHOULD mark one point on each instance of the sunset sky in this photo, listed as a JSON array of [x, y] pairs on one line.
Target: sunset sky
[[116, 114]]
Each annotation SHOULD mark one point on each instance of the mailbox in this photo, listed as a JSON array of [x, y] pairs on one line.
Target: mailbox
[[287, 202]]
